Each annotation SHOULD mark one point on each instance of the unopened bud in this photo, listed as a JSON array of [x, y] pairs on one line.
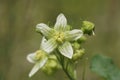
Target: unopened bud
[[88, 27], [78, 54], [82, 39], [51, 65], [76, 45]]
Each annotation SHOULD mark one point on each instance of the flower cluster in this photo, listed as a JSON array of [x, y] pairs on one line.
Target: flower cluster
[[59, 43]]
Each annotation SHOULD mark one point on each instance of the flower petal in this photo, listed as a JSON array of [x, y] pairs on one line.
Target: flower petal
[[45, 30], [50, 45], [73, 35], [61, 23], [66, 50], [37, 67], [31, 58], [43, 41]]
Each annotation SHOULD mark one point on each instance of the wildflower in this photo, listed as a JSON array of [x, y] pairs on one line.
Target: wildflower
[[39, 58], [60, 36]]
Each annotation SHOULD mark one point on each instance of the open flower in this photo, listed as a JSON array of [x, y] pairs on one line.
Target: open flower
[[39, 58], [59, 36]]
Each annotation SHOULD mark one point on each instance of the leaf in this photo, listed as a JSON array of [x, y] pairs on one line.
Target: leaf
[[105, 67]]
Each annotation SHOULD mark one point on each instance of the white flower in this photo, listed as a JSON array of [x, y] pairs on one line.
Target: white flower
[[39, 58], [60, 36]]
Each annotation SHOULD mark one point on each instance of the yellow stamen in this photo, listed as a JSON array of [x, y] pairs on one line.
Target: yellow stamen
[[59, 36], [39, 55]]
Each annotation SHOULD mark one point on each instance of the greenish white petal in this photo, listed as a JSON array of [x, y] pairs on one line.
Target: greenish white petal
[[45, 30], [37, 66], [73, 35], [61, 23], [43, 41], [66, 50], [49, 46], [31, 58]]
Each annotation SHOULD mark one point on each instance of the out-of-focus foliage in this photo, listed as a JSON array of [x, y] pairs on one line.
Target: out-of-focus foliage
[[105, 67], [18, 38]]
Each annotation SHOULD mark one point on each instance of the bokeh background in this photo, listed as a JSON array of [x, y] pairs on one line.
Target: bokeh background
[[18, 38]]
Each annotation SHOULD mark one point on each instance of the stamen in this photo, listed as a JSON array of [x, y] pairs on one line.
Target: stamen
[[39, 55], [59, 36]]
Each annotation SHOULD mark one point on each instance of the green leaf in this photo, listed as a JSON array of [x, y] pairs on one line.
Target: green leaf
[[105, 67]]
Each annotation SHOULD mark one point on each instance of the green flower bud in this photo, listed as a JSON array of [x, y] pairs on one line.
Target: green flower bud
[[53, 57], [78, 54], [82, 39], [88, 27], [51, 65], [76, 45]]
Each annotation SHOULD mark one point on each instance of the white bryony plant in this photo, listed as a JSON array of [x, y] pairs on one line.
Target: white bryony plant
[[60, 47]]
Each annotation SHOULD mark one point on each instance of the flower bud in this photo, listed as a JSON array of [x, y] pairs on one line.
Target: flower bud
[[88, 28], [76, 45], [51, 66], [78, 54], [82, 39]]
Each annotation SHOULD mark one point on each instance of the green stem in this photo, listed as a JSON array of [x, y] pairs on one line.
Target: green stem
[[84, 69], [65, 64], [71, 78], [67, 72]]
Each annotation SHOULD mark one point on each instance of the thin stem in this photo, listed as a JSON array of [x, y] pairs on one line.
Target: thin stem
[[68, 74], [84, 69], [65, 69], [62, 61]]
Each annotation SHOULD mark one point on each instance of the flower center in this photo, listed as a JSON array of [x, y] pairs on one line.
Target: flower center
[[59, 36], [40, 55]]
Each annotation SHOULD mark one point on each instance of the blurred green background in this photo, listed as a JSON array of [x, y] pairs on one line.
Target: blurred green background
[[18, 38]]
